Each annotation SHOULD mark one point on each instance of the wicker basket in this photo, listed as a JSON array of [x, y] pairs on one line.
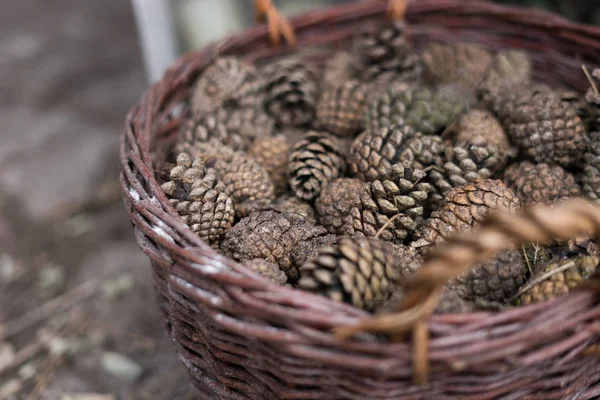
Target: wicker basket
[[241, 337]]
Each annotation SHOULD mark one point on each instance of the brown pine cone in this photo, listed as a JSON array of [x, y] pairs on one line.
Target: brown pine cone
[[386, 51], [294, 205], [314, 161], [510, 68], [233, 126], [463, 165], [338, 69], [267, 270], [464, 208], [272, 155], [544, 183], [425, 110], [360, 271], [462, 63], [226, 80], [335, 203], [396, 203], [544, 126], [291, 92], [340, 108], [560, 283], [590, 178], [515, 171], [374, 152], [496, 280], [272, 236], [451, 303], [200, 198], [479, 128], [248, 184]]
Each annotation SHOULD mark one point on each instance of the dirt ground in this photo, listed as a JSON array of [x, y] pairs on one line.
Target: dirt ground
[[77, 314]]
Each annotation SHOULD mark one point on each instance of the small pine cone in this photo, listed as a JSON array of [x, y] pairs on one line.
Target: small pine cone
[[291, 92], [463, 165], [360, 271], [226, 80], [462, 63], [510, 68], [425, 110], [272, 236], [590, 178], [267, 270], [396, 203], [515, 171], [340, 108], [464, 208], [200, 198], [496, 280], [294, 205], [248, 184], [375, 151], [560, 283], [451, 303], [386, 51], [272, 154], [478, 128], [335, 203], [544, 183], [236, 127], [543, 126], [314, 161], [338, 69]]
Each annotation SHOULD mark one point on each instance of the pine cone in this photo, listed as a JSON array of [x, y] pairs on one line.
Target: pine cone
[[374, 152], [463, 165], [233, 126], [478, 128], [462, 63], [227, 80], [267, 270], [272, 236], [314, 161], [272, 155], [360, 271], [335, 203], [510, 68], [338, 69], [291, 92], [247, 183], [200, 198], [425, 110], [590, 179], [400, 198], [544, 126], [294, 205], [465, 207], [544, 183], [386, 52], [515, 171], [561, 282], [496, 280], [451, 303], [340, 108]]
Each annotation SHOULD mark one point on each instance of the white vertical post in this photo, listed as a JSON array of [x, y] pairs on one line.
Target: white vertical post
[[157, 35]]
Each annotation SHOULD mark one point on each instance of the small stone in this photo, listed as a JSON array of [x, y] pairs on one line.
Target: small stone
[[51, 278], [114, 288], [28, 370], [120, 366], [87, 396], [7, 355]]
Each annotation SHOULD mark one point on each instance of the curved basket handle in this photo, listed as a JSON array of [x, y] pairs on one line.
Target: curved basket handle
[[499, 231], [279, 26]]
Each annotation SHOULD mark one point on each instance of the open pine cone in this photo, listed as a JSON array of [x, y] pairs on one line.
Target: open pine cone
[[340, 108]]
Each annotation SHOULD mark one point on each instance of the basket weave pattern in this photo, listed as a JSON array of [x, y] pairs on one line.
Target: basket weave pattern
[[241, 337]]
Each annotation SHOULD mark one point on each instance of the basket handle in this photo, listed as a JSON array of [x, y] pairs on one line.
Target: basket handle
[[499, 231], [279, 26]]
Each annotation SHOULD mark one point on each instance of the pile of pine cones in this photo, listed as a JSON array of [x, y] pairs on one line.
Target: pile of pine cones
[[338, 178]]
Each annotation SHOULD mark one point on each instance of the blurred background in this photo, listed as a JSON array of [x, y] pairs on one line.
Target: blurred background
[[77, 314]]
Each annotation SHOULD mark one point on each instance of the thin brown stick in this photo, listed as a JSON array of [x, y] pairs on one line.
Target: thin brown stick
[[386, 225], [45, 378], [421, 352], [61, 303], [541, 279], [589, 77], [527, 260]]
